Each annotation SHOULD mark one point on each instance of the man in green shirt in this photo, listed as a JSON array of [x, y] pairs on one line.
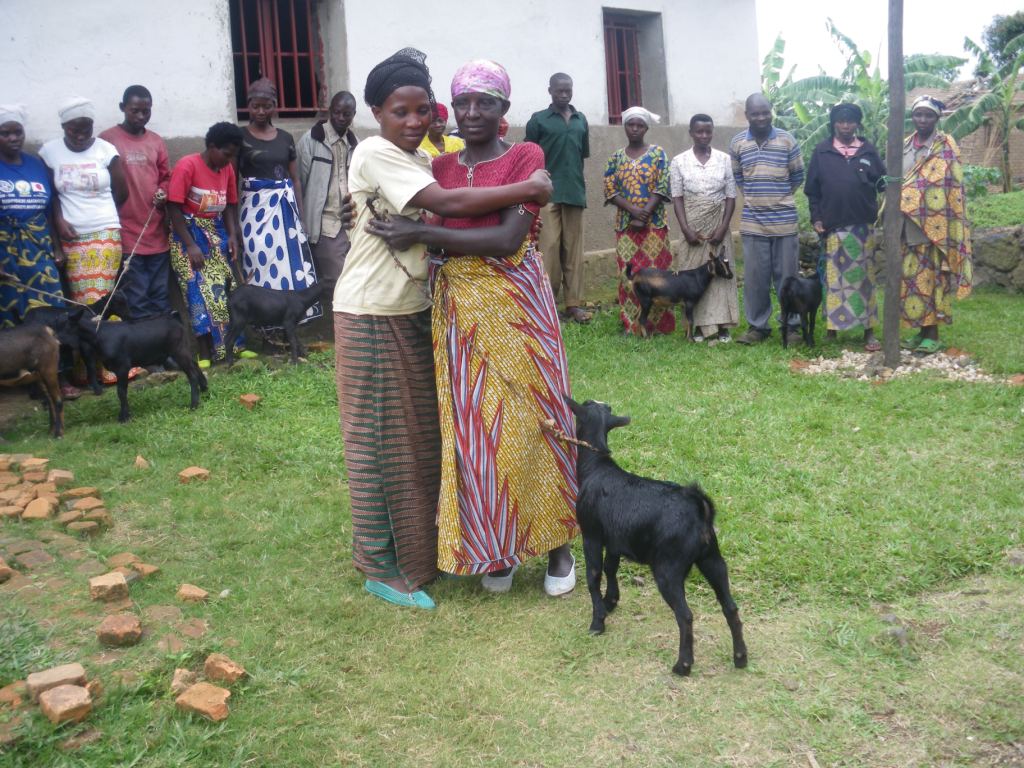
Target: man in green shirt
[[562, 132]]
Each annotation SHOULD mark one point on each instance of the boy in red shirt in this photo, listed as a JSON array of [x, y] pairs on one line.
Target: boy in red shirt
[[143, 219]]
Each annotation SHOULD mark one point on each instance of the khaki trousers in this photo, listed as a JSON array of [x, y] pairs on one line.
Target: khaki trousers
[[561, 243]]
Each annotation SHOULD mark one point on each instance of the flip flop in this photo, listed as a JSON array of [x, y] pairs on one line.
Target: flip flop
[[417, 599], [873, 346], [912, 343], [247, 354], [929, 347], [204, 363]]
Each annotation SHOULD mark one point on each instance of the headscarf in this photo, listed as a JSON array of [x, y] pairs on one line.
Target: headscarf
[[75, 107], [405, 67], [929, 102], [263, 88], [482, 76], [640, 113], [12, 113], [442, 111], [846, 112]]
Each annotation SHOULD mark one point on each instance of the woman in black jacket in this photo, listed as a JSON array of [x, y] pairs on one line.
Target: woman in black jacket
[[842, 185]]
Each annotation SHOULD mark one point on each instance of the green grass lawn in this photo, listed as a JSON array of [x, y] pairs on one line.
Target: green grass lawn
[[839, 502], [1000, 210]]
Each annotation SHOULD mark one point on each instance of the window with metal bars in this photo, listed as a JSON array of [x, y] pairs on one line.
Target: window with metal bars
[[280, 40], [622, 65]]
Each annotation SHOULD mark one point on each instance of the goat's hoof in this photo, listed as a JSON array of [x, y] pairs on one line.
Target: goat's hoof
[[740, 660], [596, 629], [683, 670], [124, 419], [610, 603]]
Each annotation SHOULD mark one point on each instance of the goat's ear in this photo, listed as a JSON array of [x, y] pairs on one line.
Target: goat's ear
[[618, 421]]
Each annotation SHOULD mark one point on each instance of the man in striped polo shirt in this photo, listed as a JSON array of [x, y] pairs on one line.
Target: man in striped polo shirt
[[768, 168]]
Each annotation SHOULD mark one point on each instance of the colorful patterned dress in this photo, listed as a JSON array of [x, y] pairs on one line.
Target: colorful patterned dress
[[508, 489], [936, 239], [635, 181]]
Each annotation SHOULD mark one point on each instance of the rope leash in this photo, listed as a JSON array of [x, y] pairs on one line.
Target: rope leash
[[549, 426], [9, 278], [383, 216], [127, 264]]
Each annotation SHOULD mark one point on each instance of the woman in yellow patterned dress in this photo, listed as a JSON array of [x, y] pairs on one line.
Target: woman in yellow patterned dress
[[508, 486], [936, 242], [636, 183]]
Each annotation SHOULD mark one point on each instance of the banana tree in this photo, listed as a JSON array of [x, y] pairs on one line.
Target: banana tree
[[861, 83], [998, 107]]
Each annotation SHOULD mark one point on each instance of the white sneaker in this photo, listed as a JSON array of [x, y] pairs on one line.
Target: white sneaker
[[498, 585], [561, 585], [697, 338]]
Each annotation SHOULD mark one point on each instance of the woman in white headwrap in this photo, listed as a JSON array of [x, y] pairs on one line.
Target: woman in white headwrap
[[89, 181], [26, 245], [86, 174], [636, 183]]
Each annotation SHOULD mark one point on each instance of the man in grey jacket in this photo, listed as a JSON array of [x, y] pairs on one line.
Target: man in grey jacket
[[324, 154]]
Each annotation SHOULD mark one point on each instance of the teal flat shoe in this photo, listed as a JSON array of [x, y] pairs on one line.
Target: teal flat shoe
[[417, 599]]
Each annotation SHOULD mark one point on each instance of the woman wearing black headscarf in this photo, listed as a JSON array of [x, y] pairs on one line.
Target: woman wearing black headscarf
[[842, 188], [382, 326]]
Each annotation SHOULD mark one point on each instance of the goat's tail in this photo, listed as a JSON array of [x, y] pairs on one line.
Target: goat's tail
[[707, 511]]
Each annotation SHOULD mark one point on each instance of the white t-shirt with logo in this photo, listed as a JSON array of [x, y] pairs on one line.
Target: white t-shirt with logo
[[82, 183]]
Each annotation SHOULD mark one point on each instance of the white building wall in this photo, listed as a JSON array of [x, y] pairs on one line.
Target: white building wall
[[710, 49], [180, 50]]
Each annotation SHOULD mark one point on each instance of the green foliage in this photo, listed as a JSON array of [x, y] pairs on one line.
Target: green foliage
[[1005, 210], [997, 37], [999, 105], [807, 101], [978, 178]]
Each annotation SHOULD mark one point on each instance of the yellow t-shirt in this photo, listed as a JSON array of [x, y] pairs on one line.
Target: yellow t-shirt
[[451, 144], [371, 283]]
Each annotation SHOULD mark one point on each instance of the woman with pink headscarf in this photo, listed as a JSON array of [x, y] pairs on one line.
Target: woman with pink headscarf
[[508, 487]]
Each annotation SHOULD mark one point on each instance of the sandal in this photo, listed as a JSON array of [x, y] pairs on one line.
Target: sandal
[[873, 346], [929, 347], [577, 315], [912, 343]]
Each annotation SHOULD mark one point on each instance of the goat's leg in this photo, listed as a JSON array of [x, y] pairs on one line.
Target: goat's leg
[[782, 329], [717, 573], [645, 309], [51, 388], [611, 592], [592, 553], [805, 328], [89, 361], [292, 335], [688, 314], [234, 329], [671, 584], [122, 392], [812, 318]]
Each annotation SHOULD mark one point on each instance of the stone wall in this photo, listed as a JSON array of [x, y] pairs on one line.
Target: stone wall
[[999, 257]]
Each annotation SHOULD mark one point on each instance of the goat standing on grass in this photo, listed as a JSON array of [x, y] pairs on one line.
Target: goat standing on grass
[[661, 286], [31, 353], [664, 525], [800, 294]]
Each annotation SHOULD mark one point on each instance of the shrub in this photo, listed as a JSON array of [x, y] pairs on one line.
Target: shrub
[[978, 178]]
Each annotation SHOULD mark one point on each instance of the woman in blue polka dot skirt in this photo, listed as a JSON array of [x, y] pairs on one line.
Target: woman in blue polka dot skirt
[[275, 253]]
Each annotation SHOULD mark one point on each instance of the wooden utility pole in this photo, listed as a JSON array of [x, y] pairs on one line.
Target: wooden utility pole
[[894, 164]]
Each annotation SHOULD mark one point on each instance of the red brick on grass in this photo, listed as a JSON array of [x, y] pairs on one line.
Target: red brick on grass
[[34, 465], [34, 477], [190, 593], [40, 509], [66, 674], [80, 492], [207, 700], [250, 400], [10, 512], [220, 669], [145, 570], [66, 704], [183, 680], [5, 571], [88, 504], [191, 474], [60, 477], [123, 558], [109, 586], [14, 695], [84, 527], [120, 630]]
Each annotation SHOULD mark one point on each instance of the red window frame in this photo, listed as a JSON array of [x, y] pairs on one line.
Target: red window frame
[[279, 39], [622, 66]]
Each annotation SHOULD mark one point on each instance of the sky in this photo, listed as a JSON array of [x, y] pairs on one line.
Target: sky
[[808, 44]]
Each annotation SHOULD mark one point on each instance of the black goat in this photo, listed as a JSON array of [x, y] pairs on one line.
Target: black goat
[[664, 525], [800, 294], [31, 353], [253, 305], [150, 341], [661, 286]]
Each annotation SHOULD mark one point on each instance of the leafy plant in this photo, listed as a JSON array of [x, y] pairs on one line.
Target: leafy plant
[[861, 83], [998, 107], [978, 178]]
